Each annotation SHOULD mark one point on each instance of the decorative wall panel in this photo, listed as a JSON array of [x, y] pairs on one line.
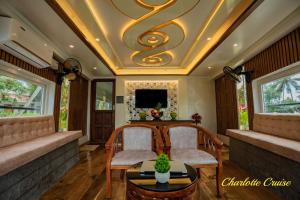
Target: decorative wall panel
[[280, 54], [132, 113]]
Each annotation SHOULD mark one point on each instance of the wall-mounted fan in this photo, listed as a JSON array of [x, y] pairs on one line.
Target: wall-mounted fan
[[235, 74], [70, 70]]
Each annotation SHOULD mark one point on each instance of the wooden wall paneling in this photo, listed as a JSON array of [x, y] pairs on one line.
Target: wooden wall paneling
[[77, 119], [56, 110], [280, 54], [297, 35], [293, 38], [84, 102], [226, 102], [57, 97]]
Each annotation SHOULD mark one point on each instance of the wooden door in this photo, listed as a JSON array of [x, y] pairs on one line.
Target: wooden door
[[102, 110]]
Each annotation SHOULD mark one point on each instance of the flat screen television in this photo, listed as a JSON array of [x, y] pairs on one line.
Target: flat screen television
[[149, 98]]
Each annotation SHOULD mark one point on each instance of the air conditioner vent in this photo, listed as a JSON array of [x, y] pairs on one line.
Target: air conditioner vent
[[24, 43]]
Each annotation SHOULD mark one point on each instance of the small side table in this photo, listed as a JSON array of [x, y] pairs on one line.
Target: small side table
[[158, 191]]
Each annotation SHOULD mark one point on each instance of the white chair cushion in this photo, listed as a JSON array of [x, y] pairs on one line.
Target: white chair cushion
[[137, 138], [192, 156], [183, 137], [130, 157]]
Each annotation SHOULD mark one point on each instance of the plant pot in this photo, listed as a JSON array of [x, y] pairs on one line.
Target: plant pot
[[162, 177], [142, 116], [173, 115]]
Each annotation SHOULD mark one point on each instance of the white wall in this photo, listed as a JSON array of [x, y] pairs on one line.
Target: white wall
[[195, 94]]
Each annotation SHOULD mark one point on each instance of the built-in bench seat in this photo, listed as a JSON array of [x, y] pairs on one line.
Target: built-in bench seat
[[30, 144], [271, 149], [279, 134], [19, 154], [281, 146]]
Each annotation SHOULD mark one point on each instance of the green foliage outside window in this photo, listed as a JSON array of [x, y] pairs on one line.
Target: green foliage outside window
[[242, 105], [64, 105], [19, 98], [282, 95]]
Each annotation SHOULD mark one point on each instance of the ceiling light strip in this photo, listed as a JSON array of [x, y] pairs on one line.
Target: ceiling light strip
[[221, 33], [208, 21], [98, 20], [89, 37]]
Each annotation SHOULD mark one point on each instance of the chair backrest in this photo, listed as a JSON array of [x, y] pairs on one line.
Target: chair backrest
[[20, 129], [183, 137], [281, 125], [137, 138]]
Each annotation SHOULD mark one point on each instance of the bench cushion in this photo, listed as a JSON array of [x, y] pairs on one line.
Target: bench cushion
[[281, 146], [193, 157], [20, 129], [130, 157], [281, 125], [19, 154]]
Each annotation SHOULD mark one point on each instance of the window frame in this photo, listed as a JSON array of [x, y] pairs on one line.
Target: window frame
[[47, 86], [278, 74]]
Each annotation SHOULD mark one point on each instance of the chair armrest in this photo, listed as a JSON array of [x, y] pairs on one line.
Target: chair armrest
[[110, 142], [218, 144], [109, 147], [216, 141]]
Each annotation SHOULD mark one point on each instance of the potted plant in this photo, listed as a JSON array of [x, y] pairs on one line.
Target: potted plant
[[162, 168], [196, 118], [173, 115], [143, 115]]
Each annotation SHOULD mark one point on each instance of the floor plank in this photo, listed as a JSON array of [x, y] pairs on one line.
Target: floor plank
[[86, 181]]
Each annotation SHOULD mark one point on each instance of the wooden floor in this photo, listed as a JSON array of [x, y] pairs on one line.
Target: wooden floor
[[86, 180]]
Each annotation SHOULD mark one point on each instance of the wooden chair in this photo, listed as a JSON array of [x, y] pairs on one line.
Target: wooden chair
[[196, 146], [128, 145]]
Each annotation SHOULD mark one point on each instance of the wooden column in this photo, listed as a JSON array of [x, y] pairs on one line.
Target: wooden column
[[226, 104], [78, 105]]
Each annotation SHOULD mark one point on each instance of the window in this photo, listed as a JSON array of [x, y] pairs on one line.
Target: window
[[282, 95], [19, 97], [242, 105], [104, 93], [279, 91], [64, 105]]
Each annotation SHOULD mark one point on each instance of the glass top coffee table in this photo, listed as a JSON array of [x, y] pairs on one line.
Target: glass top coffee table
[[144, 186]]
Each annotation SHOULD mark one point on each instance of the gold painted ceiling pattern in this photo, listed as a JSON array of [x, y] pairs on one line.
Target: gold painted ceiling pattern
[[153, 37], [153, 32]]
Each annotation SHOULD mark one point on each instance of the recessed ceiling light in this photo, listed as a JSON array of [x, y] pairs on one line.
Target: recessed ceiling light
[[209, 38], [97, 39], [209, 67], [94, 68], [71, 46], [235, 45], [19, 69]]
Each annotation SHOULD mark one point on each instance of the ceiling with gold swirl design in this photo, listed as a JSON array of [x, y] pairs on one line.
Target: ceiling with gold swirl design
[[152, 37], [153, 33]]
